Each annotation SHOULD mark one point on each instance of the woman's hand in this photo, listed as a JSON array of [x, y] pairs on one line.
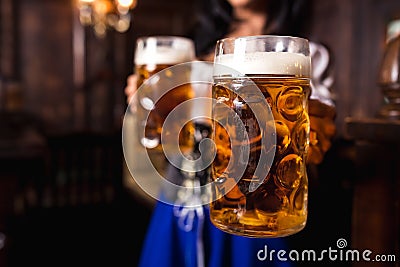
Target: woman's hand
[[131, 87], [323, 129]]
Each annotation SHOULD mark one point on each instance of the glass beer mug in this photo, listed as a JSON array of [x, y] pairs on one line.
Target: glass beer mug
[[261, 134], [156, 97], [154, 54]]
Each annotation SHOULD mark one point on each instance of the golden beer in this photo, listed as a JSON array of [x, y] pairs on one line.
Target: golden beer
[[280, 203], [159, 110], [278, 206]]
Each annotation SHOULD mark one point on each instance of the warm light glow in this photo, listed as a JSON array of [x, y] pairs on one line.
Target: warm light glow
[[102, 7], [125, 3], [104, 14]]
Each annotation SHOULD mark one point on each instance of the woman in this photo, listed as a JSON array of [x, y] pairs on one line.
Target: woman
[[231, 18], [168, 241]]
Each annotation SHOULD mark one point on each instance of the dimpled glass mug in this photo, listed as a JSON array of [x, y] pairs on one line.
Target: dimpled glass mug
[[261, 133], [143, 124], [154, 55]]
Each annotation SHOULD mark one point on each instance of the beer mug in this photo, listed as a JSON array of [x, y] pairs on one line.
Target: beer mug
[[152, 55], [261, 127], [154, 100]]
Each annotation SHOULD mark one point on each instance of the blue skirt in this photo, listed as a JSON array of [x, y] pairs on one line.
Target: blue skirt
[[187, 238]]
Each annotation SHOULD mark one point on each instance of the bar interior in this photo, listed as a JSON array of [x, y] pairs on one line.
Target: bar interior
[[66, 195]]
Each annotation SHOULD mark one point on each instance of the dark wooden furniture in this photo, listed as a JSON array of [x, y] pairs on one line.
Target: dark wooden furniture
[[376, 201], [355, 32]]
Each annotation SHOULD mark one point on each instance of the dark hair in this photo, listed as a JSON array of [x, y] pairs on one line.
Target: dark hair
[[212, 23], [288, 17], [285, 17]]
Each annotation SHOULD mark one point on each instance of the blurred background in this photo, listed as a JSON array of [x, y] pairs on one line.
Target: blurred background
[[63, 199]]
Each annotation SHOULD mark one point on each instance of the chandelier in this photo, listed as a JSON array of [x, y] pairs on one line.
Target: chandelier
[[106, 14]]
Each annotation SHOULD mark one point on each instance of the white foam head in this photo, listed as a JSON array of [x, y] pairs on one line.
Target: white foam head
[[276, 63], [164, 50]]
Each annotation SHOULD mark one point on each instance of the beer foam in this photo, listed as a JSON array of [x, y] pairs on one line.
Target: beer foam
[[276, 63], [163, 55]]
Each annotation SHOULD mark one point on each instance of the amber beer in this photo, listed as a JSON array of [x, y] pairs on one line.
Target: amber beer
[[278, 206], [161, 108]]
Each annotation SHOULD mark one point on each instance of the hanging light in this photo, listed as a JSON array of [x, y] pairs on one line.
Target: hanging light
[[105, 14]]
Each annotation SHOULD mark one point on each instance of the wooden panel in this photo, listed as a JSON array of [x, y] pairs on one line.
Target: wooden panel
[[354, 31], [163, 17], [45, 60], [371, 19], [332, 26], [7, 40]]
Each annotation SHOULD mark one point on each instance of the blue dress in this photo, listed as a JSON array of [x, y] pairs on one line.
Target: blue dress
[[180, 236], [179, 239]]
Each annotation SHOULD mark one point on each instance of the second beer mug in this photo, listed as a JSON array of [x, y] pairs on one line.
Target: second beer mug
[[155, 100], [258, 197], [152, 55]]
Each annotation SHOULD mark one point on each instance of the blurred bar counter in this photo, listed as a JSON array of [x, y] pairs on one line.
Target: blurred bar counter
[[62, 202], [374, 130], [376, 201]]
